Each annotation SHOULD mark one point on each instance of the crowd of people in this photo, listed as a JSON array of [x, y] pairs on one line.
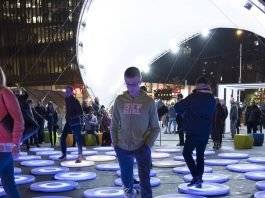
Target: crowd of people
[[132, 129]]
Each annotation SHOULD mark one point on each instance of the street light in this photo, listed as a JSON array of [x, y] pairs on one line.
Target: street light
[[239, 34]]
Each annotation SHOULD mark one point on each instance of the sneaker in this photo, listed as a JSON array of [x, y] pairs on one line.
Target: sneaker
[[79, 159], [132, 194], [63, 157]]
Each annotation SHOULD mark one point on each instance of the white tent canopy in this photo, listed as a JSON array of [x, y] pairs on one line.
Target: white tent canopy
[[115, 34]]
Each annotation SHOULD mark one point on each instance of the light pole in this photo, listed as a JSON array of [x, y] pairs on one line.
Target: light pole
[[239, 33]]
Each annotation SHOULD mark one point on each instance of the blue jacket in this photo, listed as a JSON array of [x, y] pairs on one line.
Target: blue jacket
[[198, 111]]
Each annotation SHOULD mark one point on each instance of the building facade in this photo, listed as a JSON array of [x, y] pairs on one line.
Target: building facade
[[37, 42]]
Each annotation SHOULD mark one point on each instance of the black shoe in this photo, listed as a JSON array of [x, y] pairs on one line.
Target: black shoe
[[63, 157], [135, 181], [198, 183], [180, 144], [192, 182]]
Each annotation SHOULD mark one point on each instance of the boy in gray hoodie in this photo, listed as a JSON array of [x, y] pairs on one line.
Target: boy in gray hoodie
[[134, 129]]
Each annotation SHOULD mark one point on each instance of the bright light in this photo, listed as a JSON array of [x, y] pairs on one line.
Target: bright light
[[174, 48], [205, 33], [142, 63], [239, 32], [115, 34]]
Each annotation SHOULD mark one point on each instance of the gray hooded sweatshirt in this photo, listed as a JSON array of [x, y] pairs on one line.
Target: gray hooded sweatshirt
[[134, 121]]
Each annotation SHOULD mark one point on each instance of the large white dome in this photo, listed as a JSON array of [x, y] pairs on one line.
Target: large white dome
[[115, 34]]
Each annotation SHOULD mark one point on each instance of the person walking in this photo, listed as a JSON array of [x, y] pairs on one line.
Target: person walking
[[74, 119], [134, 129], [179, 120], [253, 117], [233, 118], [52, 119], [11, 129], [198, 109]]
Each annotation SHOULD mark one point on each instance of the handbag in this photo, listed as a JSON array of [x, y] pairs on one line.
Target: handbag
[[7, 121]]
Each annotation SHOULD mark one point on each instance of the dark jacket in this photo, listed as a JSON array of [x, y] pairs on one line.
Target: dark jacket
[[52, 117], [253, 114], [198, 111], [40, 113], [219, 122], [73, 109]]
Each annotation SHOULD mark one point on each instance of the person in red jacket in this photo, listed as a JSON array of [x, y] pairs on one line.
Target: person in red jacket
[[9, 137]]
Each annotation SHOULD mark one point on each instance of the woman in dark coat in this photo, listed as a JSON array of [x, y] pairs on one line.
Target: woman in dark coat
[[52, 118], [219, 122]]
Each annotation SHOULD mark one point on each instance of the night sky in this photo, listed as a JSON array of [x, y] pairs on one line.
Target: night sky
[[216, 57]]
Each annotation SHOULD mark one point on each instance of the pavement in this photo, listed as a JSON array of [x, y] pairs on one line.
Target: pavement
[[240, 187]]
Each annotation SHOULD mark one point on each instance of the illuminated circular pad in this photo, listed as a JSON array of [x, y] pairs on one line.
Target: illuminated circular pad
[[260, 185], [38, 149], [101, 158], [23, 179], [179, 196], [181, 158], [105, 192], [156, 155], [243, 168], [209, 177], [22, 153], [260, 194], [49, 170], [52, 197], [220, 162], [233, 155], [75, 176], [72, 164], [108, 167], [68, 157], [71, 149], [88, 153], [46, 153], [206, 153], [2, 191], [104, 148], [154, 181], [185, 170], [168, 150], [27, 157], [17, 170], [208, 189], [167, 163], [113, 153], [260, 160], [36, 163], [255, 175], [135, 173], [53, 186]]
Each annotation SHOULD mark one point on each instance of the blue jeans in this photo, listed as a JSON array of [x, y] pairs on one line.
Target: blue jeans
[[76, 130], [170, 122], [7, 175], [191, 143], [126, 161]]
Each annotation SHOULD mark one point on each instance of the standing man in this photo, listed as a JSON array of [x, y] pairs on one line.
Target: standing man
[[198, 109], [134, 130], [179, 120], [233, 117], [40, 113], [73, 116]]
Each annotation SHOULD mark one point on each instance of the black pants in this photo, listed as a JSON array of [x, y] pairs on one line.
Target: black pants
[[192, 143], [181, 137], [41, 131], [52, 134], [252, 126]]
